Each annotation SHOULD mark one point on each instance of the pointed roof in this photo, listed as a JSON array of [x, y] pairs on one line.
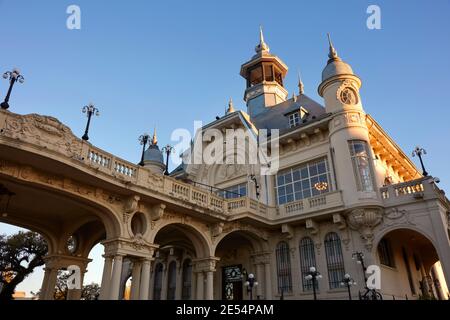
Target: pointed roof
[[301, 87], [262, 46], [335, 66], [230, 107], [154, 139]]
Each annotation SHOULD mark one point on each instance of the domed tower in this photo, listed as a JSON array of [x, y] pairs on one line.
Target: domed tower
[[153, 157], [265, 74], [349, 135]]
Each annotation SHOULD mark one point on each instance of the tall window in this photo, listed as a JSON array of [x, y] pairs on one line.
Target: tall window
[[307, 260], [306, 181], [187, 280], [234, 191], [335, 260], [283, 268], [385, 253], [361, 164], [172, 278], [157, 287]]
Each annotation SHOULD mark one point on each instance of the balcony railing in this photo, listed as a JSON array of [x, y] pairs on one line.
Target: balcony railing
[[322, 202], [423, 188]]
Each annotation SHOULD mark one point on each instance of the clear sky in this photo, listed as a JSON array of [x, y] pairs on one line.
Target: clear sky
[[168, 63]]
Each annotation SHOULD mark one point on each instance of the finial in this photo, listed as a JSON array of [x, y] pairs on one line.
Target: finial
[[294, 97], [333, 53], [301, 87], [230, 106], [262, 46], [155, 139]]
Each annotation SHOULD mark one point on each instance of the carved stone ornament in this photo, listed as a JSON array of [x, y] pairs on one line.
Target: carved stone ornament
[[364, 221], [130, 207], [395, 216], [43, 131]]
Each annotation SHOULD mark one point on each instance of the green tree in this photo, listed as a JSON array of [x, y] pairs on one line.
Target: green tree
[[20, 254]]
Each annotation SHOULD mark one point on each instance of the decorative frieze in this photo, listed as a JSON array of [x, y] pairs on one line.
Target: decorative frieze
[[364, 220]]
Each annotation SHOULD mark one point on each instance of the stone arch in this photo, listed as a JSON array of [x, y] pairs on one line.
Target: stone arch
[[200, 241], [414, 254], [258, 242]]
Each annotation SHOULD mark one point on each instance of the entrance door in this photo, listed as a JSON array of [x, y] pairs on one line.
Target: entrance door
[[232, 283]]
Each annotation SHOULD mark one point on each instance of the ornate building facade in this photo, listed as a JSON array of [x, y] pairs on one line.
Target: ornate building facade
[[343, 186]]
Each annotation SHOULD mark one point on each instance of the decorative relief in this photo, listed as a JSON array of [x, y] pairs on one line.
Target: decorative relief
[[364, 221], [395, 216], [43, 131], [217, 229], [130, 207]]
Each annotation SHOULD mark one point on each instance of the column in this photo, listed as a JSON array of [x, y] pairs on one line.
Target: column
[[164, 282], [115, 279], [145, 280], [268, 284], [75, 294], [106, 278], [48, 283], [259, 279], [209, 285], [200, 286], [135, 280]]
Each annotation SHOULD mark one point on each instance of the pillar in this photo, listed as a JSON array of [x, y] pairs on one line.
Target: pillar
[[75, 294], [106, 279], [268, 282], [49, 283], [200, 286], [135, 280], [145, 280], [209, 295], [259, 278], [115, 279]]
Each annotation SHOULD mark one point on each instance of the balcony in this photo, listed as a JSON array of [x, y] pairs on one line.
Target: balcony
[[323, 202], [411, 191]]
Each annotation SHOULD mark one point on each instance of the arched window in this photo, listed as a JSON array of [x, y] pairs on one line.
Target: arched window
[[335, 260], [187, 280], [307, 260], [283, 268], [172, 278], [158, 282]]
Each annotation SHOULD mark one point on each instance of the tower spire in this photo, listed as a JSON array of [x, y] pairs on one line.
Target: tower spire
[[301, 87], [230, 106], [262, 46], [155, 139], [333, 53]]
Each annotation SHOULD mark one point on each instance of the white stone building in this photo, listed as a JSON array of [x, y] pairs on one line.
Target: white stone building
[[343, 186]]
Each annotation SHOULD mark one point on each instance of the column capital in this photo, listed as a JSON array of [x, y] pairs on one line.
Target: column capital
[[205, 264]]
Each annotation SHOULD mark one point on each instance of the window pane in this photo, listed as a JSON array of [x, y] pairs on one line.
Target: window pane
[[304, 173], [280, 180], [321, 167], [296, 175], [313, 169]]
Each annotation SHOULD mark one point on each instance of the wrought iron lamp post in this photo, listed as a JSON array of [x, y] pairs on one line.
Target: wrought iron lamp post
[[314, 275], [168, 149], [348, 282], [418, 151], [13, 77], [143, 140], [90, 110], [250, 284], [370, 294]]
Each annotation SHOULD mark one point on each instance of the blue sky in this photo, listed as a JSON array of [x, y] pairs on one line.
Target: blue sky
[[168, 63]]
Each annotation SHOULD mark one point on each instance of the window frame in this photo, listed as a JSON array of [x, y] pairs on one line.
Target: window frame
[[335, 260], [357, 163], [284, 267], [298, 182]]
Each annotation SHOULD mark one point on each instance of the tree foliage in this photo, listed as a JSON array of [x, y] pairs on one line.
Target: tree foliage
[[20, 254]]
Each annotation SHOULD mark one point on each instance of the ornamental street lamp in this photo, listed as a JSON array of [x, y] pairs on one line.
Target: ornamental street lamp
[[370, 294], [348, 282], [250, 283], [167, 150], [90, 110], [314, 275], [418, 151], [143, 140], [13, 77]]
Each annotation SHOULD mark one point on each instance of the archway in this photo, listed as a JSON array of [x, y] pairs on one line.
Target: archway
[[237, 251], [172, 276], [409, 266]]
